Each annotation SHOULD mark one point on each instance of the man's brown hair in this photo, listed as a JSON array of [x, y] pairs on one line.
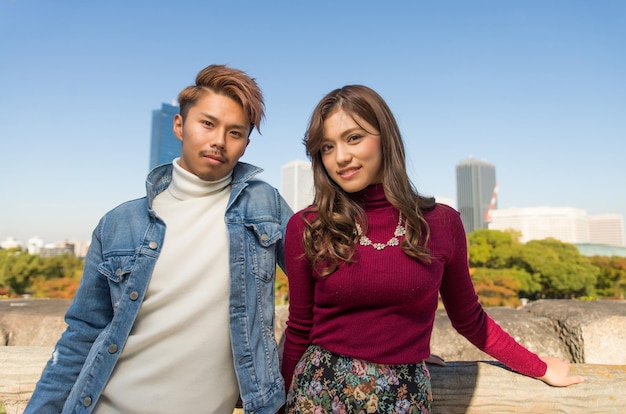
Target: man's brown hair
[[230, 82]]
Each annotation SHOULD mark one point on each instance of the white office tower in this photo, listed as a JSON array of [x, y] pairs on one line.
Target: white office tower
[[297, 184], [607, 229], [569, 225]]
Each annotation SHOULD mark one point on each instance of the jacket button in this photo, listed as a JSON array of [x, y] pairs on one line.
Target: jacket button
[[153, 245], [87, 401], [264, 237], [112, 348], [134, 295], [119, 271]]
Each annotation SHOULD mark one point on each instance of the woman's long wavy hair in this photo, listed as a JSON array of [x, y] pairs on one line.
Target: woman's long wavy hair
[[330, 237]]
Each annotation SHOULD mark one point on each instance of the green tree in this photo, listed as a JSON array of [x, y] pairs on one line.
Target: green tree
[[492, 249], [563, 272], [65, 265], [611, 280], [18, 269]]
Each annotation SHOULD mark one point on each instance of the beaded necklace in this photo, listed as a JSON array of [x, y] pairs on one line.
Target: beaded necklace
[[365, 241]]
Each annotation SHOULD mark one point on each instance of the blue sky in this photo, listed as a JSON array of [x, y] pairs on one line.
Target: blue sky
[[535, 87]]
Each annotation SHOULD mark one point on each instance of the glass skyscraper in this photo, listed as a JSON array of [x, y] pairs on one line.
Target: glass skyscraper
[[475, 185], [164, 146]]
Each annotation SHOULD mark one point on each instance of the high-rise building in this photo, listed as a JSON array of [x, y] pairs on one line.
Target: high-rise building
[[297, 184], [164, 146], [475, 187], [567, 224], [607, 229]]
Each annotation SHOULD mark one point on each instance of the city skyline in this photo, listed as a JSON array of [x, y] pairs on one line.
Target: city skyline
[[296, 186], [536, 88]]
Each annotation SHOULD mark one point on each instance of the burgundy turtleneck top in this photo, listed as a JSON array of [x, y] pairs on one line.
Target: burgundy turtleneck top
[[381, 308]]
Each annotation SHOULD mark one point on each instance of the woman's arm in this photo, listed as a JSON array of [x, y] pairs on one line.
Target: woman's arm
[[301, 287]]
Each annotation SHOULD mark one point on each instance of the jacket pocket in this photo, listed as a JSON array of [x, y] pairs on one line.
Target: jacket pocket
[[266, 235], [117, 268]]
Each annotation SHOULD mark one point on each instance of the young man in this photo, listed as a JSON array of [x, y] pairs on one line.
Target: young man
[[175, 309]]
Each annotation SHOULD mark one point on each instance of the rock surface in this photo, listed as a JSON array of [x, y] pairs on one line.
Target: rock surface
[[582, 331], [32, 322], [594, 332]]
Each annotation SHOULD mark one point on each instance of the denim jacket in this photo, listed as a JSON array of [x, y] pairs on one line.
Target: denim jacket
[[125, 247]]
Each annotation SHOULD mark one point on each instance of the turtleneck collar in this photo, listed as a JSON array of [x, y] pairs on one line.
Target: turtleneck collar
[[371, 196], [185, 185]]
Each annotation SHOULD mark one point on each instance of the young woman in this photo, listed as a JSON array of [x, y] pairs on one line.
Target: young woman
[[366, 263]]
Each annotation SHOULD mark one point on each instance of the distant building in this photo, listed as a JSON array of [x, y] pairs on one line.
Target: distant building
[[475, 187], [81, 248], [164, 146], [607, 229], [57, 249], [34, 245], [297, 184], [567, 224], [10, 243]]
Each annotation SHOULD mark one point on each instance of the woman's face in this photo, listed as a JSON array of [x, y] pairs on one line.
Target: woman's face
[[351, 154]]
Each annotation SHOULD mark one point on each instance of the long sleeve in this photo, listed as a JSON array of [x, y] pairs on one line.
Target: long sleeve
[[89, 313], [467, 315], [301, 289]]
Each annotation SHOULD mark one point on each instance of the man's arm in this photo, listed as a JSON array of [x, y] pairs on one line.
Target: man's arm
[[88, 314]]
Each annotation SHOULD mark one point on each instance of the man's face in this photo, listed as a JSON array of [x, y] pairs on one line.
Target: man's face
[[214, 136]]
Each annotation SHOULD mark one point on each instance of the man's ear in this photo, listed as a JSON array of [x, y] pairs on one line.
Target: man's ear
[[178, 127]]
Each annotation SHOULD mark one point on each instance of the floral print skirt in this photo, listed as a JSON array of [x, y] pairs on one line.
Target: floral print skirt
[[324, 382]]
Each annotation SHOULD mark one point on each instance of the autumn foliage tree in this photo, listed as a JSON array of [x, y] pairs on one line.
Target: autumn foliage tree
[[504, 269], [281, 287], [612, 276], [496, 287], [17, 270], [21, 273], [492, 257]]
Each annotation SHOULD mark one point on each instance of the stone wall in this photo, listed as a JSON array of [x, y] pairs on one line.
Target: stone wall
[[591, 334], [582, 331]]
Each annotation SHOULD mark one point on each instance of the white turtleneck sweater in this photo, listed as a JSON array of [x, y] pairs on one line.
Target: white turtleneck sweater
[[178, 357]]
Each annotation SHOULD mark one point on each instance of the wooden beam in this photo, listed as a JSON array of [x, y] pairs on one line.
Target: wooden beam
[[458, 388], [490, 387]]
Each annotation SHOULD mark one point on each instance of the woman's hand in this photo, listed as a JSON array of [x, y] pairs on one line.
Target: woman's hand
[[557, 373]]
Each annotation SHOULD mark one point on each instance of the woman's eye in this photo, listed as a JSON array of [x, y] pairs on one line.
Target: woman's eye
[[353, 138], [326, 148]]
